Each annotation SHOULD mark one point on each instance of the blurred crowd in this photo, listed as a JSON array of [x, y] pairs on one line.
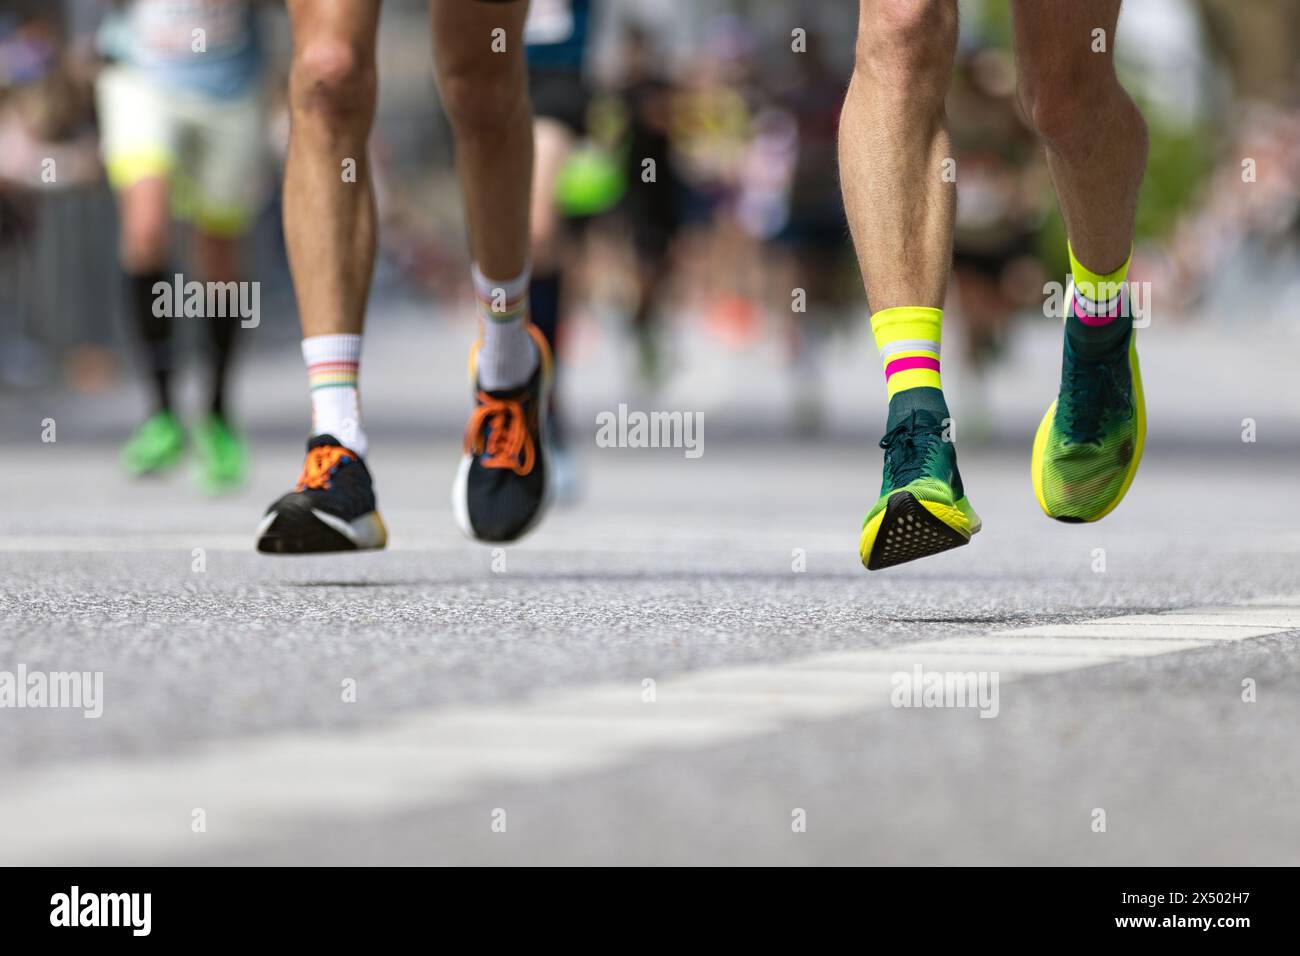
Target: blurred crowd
[[703, 188]]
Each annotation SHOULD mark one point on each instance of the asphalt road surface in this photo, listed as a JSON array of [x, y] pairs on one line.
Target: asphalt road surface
[[688, 666]]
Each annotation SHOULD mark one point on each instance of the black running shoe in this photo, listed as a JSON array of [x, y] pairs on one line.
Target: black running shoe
[[332, 509], [503, 485]]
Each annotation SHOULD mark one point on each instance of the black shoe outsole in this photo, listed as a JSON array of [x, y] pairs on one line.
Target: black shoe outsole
[[296, 530], [909, 532]]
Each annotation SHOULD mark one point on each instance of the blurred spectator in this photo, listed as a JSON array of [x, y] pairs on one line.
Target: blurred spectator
[[47, 150]]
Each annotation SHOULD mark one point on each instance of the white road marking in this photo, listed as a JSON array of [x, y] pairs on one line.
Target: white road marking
[[125, 809], [1235, 617], [1072, 646], [1280, 601], [892, 660], [1152, 628]]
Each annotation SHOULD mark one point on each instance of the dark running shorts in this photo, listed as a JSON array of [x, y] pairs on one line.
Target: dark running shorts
[[560, 95]]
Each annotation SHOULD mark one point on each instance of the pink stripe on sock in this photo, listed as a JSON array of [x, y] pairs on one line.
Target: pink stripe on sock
[[913, 361], [1095, 320]]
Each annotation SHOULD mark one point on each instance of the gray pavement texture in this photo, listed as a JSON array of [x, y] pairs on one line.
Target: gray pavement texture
[[666, 567], [669, 566]]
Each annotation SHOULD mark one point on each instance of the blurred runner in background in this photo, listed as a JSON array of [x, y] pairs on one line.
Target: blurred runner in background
[[716, 134], [181, 120], [650, 205], [558, 34], [814, 235], [1001, 209]]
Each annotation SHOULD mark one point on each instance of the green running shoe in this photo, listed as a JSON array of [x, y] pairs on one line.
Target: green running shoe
[[155, 446], [223, 456], [922, 508], [1090, 442]]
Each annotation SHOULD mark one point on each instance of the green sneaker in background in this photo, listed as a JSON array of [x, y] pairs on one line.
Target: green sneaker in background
[[223, 456], [155, 446]]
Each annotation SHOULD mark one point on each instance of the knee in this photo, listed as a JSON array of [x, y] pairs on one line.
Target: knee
[[333, 83], [905, 47], [1057, 102], [482, 94]]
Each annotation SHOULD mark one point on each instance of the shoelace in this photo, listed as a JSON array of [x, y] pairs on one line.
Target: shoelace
[[908, 448], [1092, 389], [320, 464], [507, 435]]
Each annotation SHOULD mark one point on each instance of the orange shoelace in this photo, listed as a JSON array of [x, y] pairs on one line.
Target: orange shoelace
[[320, 462], [509, 435]]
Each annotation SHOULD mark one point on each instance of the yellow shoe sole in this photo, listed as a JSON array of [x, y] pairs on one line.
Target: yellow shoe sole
[[908, 528]]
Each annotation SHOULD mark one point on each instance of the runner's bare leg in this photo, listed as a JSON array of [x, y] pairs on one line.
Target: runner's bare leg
[[329, 205], [484, 90], [892, 147], [1095, 137]]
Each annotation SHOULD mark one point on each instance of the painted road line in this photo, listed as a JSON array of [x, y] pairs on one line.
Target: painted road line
[[1284, 601], [1109, 648], [891, 660], [1225, 617], [1151, 628], [127, 809]]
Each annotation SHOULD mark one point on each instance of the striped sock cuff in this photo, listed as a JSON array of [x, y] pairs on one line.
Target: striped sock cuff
[[908, 338], [332, 375], [332, 360], [1098, 299], [1096, 312], [501, 300]]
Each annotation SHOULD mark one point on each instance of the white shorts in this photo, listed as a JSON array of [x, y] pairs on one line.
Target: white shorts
[[212, 150]]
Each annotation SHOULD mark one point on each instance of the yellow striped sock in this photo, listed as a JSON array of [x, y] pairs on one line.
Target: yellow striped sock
[[1094, 285], [908, 340]]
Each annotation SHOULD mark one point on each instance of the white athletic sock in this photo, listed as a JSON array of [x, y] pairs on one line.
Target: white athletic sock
[[332, 365], [508, 356]]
